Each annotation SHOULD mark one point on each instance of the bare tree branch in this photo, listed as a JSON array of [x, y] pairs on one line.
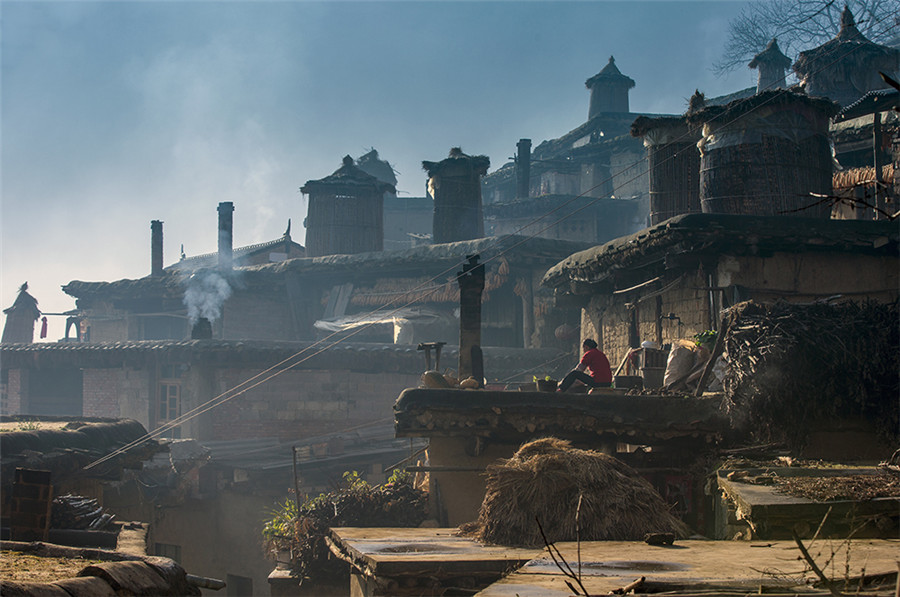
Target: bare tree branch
[[801, 25]]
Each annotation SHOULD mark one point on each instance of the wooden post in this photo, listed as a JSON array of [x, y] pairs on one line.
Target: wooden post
[[876, 160]]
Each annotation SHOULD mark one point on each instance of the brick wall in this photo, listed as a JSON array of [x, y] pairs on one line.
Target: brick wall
[[303, 403], [688, 301], [17, 384], [101, 393], [257, 316]]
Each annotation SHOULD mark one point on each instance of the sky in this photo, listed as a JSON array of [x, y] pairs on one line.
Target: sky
[[113, 114]]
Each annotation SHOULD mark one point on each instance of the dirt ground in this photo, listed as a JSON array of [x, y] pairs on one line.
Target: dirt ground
[[16, 565]]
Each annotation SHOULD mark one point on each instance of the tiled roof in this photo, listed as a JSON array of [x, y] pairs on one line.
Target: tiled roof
[[197, 262], [499, 362], [172, 283]]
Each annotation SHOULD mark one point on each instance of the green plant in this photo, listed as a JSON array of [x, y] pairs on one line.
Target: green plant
[[396, 503], [279, 530], [706, 338]]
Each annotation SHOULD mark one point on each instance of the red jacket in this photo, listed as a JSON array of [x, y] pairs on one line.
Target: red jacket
[[598, 365]]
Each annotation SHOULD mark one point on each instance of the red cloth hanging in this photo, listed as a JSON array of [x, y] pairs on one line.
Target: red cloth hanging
[[43, 327]]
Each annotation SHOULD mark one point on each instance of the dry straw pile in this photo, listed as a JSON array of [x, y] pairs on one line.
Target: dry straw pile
[[545, 479]]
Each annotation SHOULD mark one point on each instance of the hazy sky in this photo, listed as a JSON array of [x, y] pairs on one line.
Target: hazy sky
[[118, 113]]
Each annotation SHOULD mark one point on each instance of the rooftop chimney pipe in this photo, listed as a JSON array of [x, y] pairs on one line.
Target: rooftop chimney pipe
[[523, 168], [202, 330], [471, 286], [156, 248], [226, 209]]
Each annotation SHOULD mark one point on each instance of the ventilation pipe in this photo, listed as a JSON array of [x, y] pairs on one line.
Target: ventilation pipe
[[156, 248], [226, 209]]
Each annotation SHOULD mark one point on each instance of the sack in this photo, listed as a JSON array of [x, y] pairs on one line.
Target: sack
[[679, 363]]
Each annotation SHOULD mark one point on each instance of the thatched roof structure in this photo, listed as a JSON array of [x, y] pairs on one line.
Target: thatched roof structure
[[518, 249], [774, 99], [575, 494], [458, 162], [347, 176], [65, 452], [846, 67], [724, 234], [20, 317], [380, 169]]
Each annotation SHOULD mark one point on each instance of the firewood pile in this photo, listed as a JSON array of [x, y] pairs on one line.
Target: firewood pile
[[793, 367], [79, 512]]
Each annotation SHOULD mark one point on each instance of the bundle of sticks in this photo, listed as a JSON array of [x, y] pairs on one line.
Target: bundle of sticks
[[793, 365], [79, 512]]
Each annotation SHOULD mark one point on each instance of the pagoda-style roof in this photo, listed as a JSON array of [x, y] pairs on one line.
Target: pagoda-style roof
[[349, 175], [848, 45], [772, 55], [610, 74]]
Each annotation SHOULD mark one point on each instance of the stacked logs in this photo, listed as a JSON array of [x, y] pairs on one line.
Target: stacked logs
[[79, 512]]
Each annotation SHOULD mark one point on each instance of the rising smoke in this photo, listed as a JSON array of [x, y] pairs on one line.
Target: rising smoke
[[205, 295]]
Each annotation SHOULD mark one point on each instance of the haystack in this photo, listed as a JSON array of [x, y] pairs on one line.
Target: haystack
[[545, 479]]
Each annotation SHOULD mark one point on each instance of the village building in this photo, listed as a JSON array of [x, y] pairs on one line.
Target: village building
[[771, 64], [846, 67], [273, 251], [240, 351], [671, 280], [594, 171]]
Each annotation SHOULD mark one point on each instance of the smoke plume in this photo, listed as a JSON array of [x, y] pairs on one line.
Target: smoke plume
[[205, 295]]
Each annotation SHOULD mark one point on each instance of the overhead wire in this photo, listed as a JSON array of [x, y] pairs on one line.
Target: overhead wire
[[286, 364]]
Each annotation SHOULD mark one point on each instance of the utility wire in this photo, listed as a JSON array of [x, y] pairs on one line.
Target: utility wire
[[287, 364]]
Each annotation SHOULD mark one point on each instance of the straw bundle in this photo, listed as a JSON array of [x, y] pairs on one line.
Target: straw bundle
[[545, 479]]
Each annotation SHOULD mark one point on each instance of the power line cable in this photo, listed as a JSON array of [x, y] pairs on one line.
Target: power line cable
[[283, 365]]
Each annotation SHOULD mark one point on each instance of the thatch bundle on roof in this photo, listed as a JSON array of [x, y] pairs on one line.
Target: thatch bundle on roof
[[545, 480]]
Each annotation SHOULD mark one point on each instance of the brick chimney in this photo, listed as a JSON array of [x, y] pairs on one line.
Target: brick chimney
[[523, 168], [226, 209], [156, 248], [202, 330]]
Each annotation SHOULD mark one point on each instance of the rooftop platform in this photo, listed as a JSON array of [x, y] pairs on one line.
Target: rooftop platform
[[393, 561]]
